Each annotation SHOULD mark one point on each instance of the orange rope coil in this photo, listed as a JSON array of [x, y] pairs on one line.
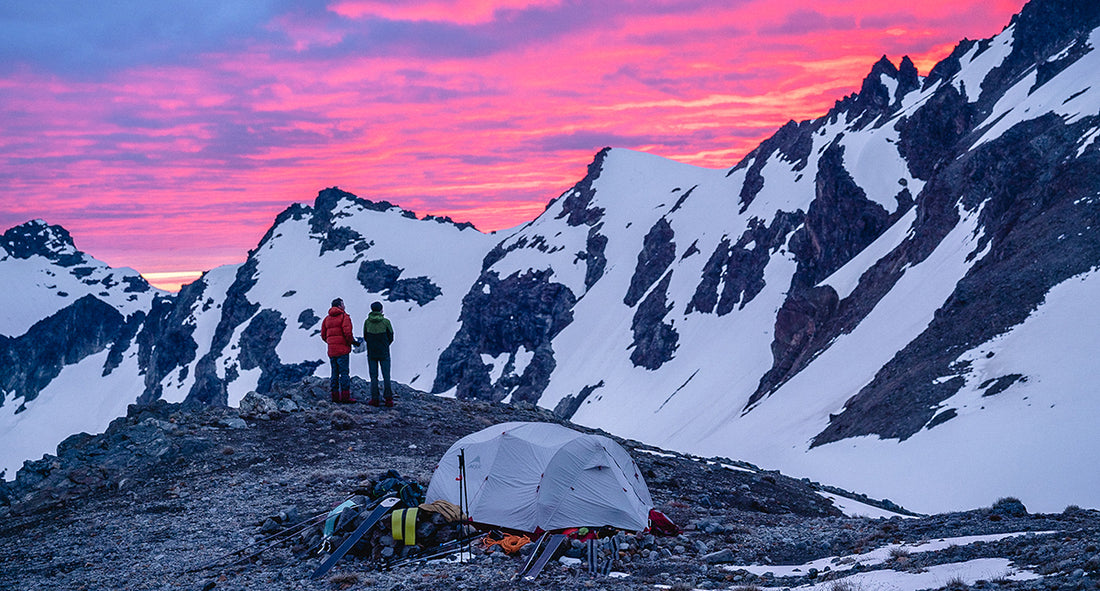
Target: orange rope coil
[[509, 543]]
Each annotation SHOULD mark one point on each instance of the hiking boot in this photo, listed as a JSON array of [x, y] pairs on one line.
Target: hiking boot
[[373, 403], [389, 402], [335, 396], [345, 397]]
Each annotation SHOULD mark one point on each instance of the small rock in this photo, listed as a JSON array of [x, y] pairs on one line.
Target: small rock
[[290, 514], [722, 556], [270, 526], [258, 406]]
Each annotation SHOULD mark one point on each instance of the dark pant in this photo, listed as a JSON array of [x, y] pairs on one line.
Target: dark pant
[[341, 378], [373, 363]]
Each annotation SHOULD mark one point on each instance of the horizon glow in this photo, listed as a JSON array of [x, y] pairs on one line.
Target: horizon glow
[[168, 140]]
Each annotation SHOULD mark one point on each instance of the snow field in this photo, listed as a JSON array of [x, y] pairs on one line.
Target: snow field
[[67, 406]]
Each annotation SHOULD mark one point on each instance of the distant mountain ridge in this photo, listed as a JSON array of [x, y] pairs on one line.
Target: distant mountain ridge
[[893, 297]]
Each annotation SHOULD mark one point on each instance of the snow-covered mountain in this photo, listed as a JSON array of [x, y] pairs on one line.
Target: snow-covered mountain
[[897, 297], [238, 328], [65, 318], [244, 327]]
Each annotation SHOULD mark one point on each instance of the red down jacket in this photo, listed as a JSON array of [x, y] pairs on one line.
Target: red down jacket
[[337, 332]]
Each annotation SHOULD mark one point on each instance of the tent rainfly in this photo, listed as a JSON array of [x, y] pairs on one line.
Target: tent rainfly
[[530, 476]]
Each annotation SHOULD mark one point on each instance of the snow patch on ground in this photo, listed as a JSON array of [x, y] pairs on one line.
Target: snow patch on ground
[[877, 556], [854, 508], [933, 577]]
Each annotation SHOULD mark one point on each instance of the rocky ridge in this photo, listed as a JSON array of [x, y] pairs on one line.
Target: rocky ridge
[[169, 488]]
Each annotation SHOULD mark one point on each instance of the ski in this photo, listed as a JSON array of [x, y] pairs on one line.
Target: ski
[[445, 549], [282, 536], [548, 551], [534, 554], [614, 552], [374, 517]]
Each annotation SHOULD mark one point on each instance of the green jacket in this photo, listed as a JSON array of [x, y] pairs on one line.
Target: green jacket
[[378, 334]]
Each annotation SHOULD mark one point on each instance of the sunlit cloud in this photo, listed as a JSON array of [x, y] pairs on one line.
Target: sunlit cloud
[[173, 147]]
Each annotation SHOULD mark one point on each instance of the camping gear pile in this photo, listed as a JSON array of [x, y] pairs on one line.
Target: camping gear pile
[[407, 527], [535, 490]]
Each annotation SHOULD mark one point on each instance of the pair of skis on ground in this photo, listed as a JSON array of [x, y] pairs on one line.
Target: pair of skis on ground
[[549, 543]]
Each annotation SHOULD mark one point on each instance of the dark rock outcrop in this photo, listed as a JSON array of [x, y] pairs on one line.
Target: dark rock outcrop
[[307, 319], [499, 316], [29, 362], [237, 309], [1042, 29], [658, 252], [568, 405], [377, 276], [594, 258], [577, 208], [166, 340], [37, 238], [257, 350], [840, 222], [414, 289], [800, 322], [793, 141], [738, 268], [928, 138], [654, 339]]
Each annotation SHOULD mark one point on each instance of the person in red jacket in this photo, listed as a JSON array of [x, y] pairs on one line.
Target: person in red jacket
[[336, 330]]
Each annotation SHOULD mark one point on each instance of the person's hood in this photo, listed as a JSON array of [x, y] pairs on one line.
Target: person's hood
[[336, 311], [375, 317]]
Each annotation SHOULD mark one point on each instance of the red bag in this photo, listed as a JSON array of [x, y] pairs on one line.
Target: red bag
[[661, 525]]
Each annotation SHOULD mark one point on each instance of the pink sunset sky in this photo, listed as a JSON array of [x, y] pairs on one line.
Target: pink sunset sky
[[166, 136]]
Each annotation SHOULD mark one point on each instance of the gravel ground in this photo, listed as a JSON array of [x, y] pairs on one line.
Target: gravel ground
[[167, 490]]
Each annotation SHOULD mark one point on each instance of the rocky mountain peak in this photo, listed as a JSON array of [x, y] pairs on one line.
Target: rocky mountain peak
[[576, 208], [876, 96], [329, 200], [38, 238], [1046, 26]]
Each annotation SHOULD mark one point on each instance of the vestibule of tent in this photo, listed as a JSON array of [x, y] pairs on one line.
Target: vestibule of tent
[[531, 476]]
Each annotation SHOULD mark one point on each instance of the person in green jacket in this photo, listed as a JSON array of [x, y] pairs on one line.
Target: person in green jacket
[[378, 334]]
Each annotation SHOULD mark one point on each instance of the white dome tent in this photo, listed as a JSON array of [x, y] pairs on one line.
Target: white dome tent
[[532, 476]]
